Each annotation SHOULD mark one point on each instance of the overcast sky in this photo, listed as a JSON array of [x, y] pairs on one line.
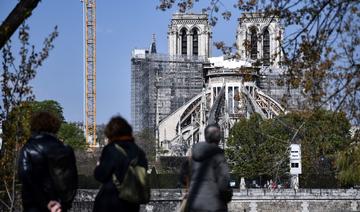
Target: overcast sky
[[122, 25]]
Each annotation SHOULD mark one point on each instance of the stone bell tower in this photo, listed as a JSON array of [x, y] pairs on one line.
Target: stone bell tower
[[189, 35], [259, 37]]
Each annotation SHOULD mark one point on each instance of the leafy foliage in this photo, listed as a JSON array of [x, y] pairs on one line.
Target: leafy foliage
[[348, 163], [50, 106], [324, 134], [255, 148], [15, 133], [260, 147], [72, 135]]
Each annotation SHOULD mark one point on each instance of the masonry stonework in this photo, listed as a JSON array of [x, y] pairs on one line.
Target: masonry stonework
[[166, 200]]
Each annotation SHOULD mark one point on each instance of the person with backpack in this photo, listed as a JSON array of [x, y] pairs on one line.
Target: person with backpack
[[47, 168], [209, 188], [122, 170]]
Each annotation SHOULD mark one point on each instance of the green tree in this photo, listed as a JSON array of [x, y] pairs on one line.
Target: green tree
[[260, 147], [49, 106], [348, 163], [72, 135], [14, 110], [16, 130], [324, 134], [256, 149]]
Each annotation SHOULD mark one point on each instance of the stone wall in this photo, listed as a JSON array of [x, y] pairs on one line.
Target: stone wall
[[303, 200]]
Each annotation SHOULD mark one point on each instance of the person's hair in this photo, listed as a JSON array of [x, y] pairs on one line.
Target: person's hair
[[117, 127], [212, 133], [44, 121]]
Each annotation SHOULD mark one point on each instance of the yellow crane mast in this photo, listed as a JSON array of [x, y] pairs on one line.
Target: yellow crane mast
[[89, 7]]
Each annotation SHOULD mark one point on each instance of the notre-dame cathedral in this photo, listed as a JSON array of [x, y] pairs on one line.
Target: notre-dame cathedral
[[176, 95]]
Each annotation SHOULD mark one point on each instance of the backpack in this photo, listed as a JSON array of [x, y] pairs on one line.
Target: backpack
[[135, 185], [63, 172]]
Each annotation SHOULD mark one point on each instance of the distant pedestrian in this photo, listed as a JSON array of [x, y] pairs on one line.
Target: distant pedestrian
[[273, 186], [47, 168], [209, 181], [120, 156]]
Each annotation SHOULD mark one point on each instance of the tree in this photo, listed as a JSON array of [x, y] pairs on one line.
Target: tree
[[14, 111], [15, 132], [324, 134], [348, 163], [320, 49], [17, 16], [72, 135], [49, 106], [259, 147], [255, 149]]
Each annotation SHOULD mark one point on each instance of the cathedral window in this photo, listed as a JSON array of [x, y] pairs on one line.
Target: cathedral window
[[195, 42], [253, 44], [266, 47], [183, 42]]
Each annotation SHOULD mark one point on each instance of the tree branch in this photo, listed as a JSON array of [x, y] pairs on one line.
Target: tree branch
[[17, 16]]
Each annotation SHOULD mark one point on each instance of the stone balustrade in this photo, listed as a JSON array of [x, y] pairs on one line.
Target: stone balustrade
[[303, 200]]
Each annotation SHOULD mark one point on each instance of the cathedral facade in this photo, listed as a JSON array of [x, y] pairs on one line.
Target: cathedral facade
[[178, 94]]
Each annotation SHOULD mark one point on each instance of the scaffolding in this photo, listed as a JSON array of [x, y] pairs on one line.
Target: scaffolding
[[160, 84], [276, 84]]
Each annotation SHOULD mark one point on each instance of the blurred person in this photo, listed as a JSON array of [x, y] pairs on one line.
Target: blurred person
[[209, 188], [119, 156], [47, 168]]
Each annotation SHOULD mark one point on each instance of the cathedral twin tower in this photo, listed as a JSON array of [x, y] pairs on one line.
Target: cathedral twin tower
[[257, 37], [189, 34]]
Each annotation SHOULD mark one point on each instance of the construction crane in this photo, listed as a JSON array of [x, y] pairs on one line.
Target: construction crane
[[89, 7]]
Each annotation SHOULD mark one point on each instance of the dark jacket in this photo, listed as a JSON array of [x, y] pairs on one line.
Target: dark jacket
[[34, 175], [209, 185], [113, 161]]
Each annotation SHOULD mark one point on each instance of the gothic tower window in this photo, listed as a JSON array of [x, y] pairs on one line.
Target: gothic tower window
[[183, 34], [266, 47], [195, 42], [253, 43]]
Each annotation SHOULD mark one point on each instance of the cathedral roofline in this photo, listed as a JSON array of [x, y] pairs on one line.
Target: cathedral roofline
[[142, 53], [189, 16], [253, 16], [229, 63]]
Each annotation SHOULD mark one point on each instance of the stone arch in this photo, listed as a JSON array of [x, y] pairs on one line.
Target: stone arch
[[268, 27], [183, 26], [253, 32], [272, 40], [183, 40], [195, 40], [197, 28], [266, 45]]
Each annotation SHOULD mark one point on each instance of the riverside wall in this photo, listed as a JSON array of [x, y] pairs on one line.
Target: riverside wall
[[250, 200]]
